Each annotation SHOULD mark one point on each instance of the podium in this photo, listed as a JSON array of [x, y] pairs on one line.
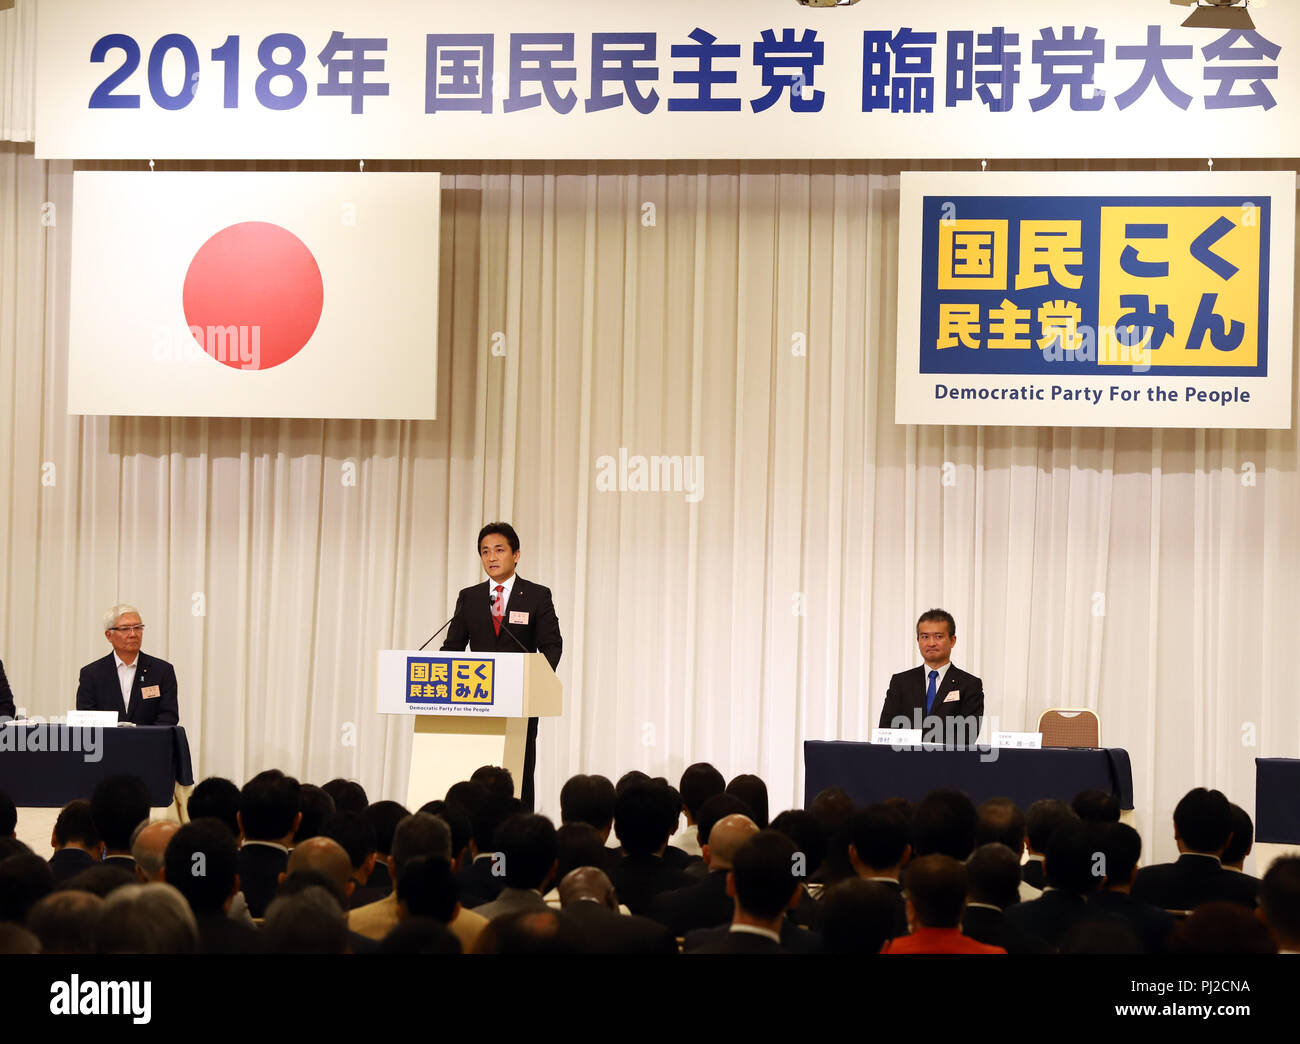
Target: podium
[[470, 709]]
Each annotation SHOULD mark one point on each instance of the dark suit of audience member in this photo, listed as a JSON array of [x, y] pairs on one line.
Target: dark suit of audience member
[[879, 847], [605, 931], [739, 941], [993, 886], [638, 879], [702, 905], [1032, 873], [1151, 926], [478, 885], [794, 939], [260, 867], [764, 888], [219, 933], [99, 689], [268, 816], [988, 924], [1063, 904], [642, 826], [6, 695], [68, 862], [123, 862]]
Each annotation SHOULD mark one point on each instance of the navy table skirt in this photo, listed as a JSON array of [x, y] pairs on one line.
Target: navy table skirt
[[1277, 801]]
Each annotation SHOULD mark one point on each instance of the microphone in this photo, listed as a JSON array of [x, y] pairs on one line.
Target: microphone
[[521, 645], [436, 633]]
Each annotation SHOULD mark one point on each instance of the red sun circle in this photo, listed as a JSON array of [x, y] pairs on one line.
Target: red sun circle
[[253, 295]]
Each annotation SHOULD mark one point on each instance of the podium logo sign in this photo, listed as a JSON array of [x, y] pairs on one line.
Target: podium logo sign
[[448, 682]]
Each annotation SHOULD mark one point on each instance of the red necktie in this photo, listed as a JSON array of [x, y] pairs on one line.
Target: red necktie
[[498, 609]]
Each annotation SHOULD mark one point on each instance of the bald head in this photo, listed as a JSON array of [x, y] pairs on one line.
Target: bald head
[[148, 846], [727, 835], [326, 856], [587, 883]]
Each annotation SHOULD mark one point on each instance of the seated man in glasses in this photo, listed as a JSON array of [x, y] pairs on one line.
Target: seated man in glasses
[[141, 688]]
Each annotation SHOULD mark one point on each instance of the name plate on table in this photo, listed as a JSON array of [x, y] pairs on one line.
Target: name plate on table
[[83, 718], [1021, 740], [897, 737]]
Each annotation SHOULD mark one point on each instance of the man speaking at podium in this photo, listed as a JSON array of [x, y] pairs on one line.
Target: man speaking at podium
[[142, 689], [507, 614], [937, 696]]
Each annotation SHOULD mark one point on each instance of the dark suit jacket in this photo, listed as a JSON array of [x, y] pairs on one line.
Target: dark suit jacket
[[638, 879], [68, 862], [1152, 925], [701, 905], [98, 689], [471, 626], [1048, 919], [219, 934], [606, 931], [793, 938], [991, 928], [260, 867], [900, 911], [1032, 873], [122, 862], [741, 942], [906, 699], [1192, 880], [6, 695], [477, 885]]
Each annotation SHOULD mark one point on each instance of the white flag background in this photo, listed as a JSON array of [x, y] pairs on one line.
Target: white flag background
[[254, 295]]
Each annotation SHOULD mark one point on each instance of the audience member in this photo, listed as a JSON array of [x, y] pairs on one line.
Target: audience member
[[216, 798], [482, 879], [146, 918], [1096, 806], [101, 880], [1041, 818], [992, 886], [268, 818], [858, 917], [316, 807], [936, 896], [498, 780], [1202, 830], [878, 851], [943, 823], [420, 935], [1279, 902], [1000, 821], [809, 840], [526, 842], [1072, 867], [75, 841], [763, 888], [707, 903], [25, 879], [530, 933], [1241, 842], [698, 783], [589, 903], [117, 805], [590, 800], [310, 921], [674, 856], [383, 817], [833, 808], [1150, 925], [348, 795], [65, 922], [1222, 927], [753, 792], [427, 889], [642, 873], [148, 843], [201, 862], [16, 940], [352, 830], [1101, 935]]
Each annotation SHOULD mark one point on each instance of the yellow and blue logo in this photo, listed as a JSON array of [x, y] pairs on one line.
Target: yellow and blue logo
[[447, 681]]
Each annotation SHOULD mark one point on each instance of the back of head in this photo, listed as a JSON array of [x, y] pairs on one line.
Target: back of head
[[993, 876], [316, 806], [1222, 928], [325, 856], [201, 863], [639, 818], [75, 826], [298, 881], [420, 935], [879, 836], [11, 846], [1122, 846], [1203, 819], [586, 883], [149, 844], [215, 798], [347, 794], [716, 809], [1279, 900], [1096, 806], [420, 836], [15, 940], [268, 805], [833, 808], [497, 779], [310, 921], [936, 885], [151, 918], [25, 879], [65, 922], [1000, 821], [753, 792], [1243, 837], [808, 835], [383, 817], [700, 782], [428, 888], [352, 830], [765, 874], [1075, 857], [458, 822], [117, 804], [587, 799], [527, 842], [101, 880], [633, 777], [943, 823], [531, 932], [485, 810], [1043, 817], [857, 916], [577, 844], [725, 839]]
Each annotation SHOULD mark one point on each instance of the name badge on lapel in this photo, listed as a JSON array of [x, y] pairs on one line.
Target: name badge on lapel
[[150, 692], [952, 696], [518, 617]]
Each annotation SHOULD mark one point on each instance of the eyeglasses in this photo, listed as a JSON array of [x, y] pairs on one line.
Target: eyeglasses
[[133, 629]]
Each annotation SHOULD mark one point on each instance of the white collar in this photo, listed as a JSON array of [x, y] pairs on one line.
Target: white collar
[[983, 906], [507, 584], [268, 844], [129, 666], [753, 929]]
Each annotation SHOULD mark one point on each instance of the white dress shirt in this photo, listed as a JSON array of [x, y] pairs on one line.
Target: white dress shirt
[[126, 678], [505, 595], [938, 682]]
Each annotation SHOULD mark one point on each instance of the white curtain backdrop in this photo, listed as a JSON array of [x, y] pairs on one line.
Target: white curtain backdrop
[[660, 308]]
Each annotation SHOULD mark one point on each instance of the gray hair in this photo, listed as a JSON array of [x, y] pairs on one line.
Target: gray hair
[[116, 613], [146, 918], [148, 859]]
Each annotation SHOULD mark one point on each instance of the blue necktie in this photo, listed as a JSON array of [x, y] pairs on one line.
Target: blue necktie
[[930, 692]]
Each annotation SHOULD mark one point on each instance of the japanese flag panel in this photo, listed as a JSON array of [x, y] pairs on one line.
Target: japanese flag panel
[[254, 295]]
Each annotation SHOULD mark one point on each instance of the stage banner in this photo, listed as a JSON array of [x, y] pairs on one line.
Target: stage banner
[[676, 79], [254, 295], [1135, 300]]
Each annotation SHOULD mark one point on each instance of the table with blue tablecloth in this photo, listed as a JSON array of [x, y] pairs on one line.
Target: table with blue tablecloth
[[872, 772], [1277, 801], [46, 766]]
